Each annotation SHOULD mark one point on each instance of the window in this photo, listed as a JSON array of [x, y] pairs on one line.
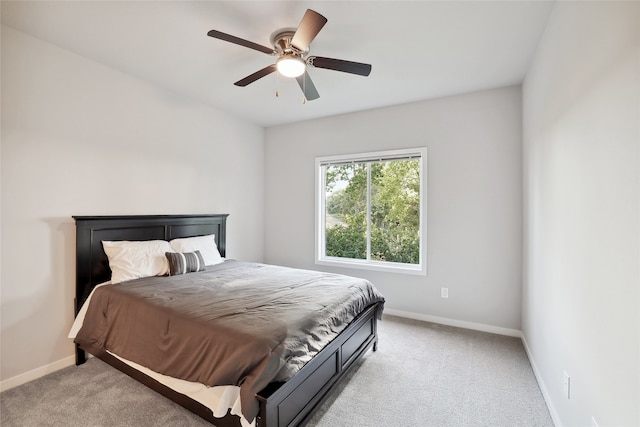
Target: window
[[370, 211]]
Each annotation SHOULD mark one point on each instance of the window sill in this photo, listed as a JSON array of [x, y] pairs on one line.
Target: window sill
[[388, 267]]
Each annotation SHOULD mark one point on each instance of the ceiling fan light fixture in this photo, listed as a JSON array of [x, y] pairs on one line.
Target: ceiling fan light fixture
[[290, 65]]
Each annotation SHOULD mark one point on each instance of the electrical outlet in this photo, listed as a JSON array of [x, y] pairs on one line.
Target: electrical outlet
[[444, 292], [593, 422], [566, 385]]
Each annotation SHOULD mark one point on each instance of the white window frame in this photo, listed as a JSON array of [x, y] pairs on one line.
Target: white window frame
[[320, 221]]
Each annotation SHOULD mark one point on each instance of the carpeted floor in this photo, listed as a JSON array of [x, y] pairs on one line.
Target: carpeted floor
[[423, 374]]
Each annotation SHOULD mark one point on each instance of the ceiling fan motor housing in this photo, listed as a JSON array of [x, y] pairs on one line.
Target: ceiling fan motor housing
[[281, 41]]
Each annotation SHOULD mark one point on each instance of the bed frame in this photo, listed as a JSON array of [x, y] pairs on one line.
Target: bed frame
[[281, 404]]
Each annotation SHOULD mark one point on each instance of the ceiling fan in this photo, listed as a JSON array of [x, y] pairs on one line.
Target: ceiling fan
[[291, 49]]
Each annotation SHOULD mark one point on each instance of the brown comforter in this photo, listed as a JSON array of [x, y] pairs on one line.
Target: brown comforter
[[235, 323]]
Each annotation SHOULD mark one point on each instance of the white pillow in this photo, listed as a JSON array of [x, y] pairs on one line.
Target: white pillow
[[132, 260], [205, 244]]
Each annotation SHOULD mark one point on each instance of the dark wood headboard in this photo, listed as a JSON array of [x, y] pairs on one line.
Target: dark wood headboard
[[92, 266]]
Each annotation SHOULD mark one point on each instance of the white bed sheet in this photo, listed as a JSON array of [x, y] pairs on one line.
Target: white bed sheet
[[219, 399]]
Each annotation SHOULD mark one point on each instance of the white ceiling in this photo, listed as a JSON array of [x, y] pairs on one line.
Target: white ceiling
[[418, 49]]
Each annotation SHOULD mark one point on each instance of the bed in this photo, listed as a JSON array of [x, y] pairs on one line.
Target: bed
[[280, 403]]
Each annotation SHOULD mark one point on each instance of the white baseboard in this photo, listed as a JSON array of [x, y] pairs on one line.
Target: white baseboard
[[457, 323], [543, 388], [36, 373]]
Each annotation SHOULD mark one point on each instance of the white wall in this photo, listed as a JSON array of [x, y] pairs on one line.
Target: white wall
[[82, 139], [581, 310], [473, 200]]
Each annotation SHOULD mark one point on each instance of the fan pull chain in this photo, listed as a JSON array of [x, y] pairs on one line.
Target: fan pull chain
[[277, 80]]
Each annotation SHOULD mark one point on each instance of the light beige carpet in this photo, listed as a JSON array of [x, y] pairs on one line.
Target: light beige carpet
[[423, 374]]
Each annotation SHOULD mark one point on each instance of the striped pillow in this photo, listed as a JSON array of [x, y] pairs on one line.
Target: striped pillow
[[182, 263]]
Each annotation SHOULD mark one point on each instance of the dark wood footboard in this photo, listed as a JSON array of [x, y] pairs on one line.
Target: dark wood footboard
[[292, 403]]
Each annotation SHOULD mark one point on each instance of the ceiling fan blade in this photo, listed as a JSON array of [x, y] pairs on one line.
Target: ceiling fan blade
[[311, 24], [257, 75], [307, 86], [340, 65], [242, 42]]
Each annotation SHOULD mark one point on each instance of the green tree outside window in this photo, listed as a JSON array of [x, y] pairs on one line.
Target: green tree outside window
[[373, 210]]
